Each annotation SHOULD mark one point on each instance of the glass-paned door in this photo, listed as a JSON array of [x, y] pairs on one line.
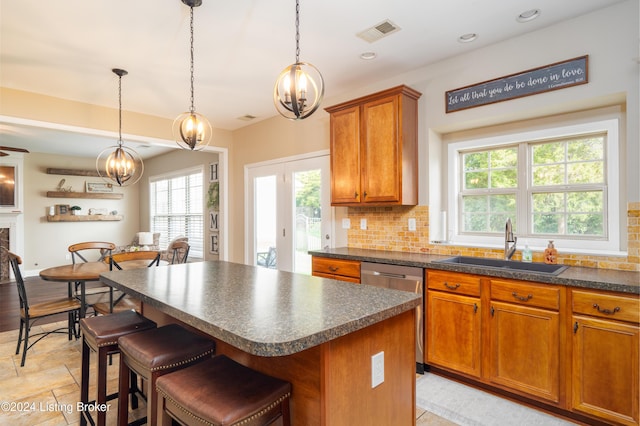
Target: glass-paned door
[[289, 213]]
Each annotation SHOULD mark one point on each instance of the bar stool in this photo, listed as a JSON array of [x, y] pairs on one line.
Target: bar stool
[[154, 353], [220, 391], [100, 334]]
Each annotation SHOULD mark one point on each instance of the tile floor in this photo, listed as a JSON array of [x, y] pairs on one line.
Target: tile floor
[[46, 390]]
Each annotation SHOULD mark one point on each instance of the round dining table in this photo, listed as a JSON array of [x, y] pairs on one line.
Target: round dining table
[[79, 273]]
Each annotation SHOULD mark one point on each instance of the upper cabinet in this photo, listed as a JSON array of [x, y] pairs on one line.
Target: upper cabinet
[[374, 149]]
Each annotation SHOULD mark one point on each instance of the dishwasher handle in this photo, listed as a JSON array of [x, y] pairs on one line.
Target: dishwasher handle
[[389, 275]]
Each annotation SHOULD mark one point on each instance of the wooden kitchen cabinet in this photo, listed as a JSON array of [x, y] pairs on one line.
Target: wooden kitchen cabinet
[[374, 149], [524, 338], [454, 322], [605, 358], [337, 269]]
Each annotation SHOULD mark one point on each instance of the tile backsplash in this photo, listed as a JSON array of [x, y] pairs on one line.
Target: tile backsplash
[[387, 229]]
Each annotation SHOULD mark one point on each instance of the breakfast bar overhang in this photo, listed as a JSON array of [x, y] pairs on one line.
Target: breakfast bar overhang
[[319, 334]]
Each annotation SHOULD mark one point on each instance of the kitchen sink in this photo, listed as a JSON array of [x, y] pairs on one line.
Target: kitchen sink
[[537, 268]]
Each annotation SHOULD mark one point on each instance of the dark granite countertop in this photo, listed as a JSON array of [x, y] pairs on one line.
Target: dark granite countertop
[[599, 279], [261, 311]]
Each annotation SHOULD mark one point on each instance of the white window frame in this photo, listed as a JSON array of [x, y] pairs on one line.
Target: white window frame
[[176, 174], [609, 245]]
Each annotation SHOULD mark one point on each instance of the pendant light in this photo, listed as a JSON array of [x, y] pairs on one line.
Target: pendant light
[[118, 164], [192, 130], [300, 87]]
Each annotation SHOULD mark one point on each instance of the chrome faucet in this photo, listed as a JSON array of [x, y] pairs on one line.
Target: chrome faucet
[[509, 238]]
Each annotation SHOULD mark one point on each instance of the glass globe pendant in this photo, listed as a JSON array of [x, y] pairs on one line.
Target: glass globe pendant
[[191, 130], [300, 87], [118, 164]]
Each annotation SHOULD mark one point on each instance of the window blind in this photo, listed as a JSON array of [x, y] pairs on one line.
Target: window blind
[[177, 210]]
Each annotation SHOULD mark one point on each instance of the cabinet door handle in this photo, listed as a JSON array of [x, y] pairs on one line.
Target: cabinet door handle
[[355, 194], [575, 327], [475, 308], [493, 311], [606, 311], [365, 194], [522, 298], [451, 287]]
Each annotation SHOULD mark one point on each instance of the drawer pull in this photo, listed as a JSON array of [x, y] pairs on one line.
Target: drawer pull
[[451, 287], [333, 268], [522, 298], [606, 311]]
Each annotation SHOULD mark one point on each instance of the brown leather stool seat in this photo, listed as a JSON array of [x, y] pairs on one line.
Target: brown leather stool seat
[[220, 391], [154, 353], [100, 334]]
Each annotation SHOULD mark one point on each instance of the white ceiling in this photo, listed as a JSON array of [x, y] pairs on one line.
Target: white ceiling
[[67, 48]]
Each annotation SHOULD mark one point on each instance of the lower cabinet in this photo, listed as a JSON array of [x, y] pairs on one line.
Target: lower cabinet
[[571, 349], [453, 339], [454, 321], [524, 353], [524, 338], [337, 269], [605, 359]]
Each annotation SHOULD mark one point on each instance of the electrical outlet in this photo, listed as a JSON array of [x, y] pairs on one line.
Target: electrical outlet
[[412, 224], [363, 224], [67, 256], [377, 369], [346, 223]]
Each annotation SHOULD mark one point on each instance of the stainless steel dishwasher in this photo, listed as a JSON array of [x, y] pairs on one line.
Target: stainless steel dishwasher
[[404, 278]]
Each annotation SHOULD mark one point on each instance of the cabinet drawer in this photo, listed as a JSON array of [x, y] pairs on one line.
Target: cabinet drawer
[[454, 282], [329, 266], [539, 295], [622, 308]]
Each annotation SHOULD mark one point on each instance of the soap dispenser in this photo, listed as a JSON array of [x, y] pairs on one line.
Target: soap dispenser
[[527, 255], [550, 254]]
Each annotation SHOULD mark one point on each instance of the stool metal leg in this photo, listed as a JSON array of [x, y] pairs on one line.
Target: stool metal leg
[[84, 380]]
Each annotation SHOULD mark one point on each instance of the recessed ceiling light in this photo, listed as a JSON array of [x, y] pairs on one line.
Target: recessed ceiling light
[[529, 15], [467, 38], [367, 56]]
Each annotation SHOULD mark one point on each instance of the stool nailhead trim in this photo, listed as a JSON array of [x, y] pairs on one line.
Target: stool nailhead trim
[[242, 422], [186, 361]]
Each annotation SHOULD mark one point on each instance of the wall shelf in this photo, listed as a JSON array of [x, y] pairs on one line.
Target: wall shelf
[[84, 218], [100, 195], [73, 172]]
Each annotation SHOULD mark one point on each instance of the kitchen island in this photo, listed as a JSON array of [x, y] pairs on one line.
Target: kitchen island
[[318, 334]]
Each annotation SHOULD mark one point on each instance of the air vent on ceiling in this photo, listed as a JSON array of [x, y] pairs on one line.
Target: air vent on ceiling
[[378, 31], [247, 117]]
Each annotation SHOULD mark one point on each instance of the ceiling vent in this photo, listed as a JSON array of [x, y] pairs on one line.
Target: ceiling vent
[[247, 117], [378, 31]]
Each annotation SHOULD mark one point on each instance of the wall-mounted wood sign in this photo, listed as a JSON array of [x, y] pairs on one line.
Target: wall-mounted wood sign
[[556, 76]]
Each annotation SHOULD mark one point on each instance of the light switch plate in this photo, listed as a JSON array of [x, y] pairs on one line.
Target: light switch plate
[[346, 223], [363, 224], [412, 224]]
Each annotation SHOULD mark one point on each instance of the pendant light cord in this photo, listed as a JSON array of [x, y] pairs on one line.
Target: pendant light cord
[[191, 69], [297, 31], [119, 110]]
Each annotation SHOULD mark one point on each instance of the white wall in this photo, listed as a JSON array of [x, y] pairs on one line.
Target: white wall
[[610, 38], [46, 243]]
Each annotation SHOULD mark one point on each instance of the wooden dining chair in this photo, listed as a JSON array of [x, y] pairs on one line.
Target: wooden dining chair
[[90, 251], [120, 261], [30, 313], [179, 252]]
